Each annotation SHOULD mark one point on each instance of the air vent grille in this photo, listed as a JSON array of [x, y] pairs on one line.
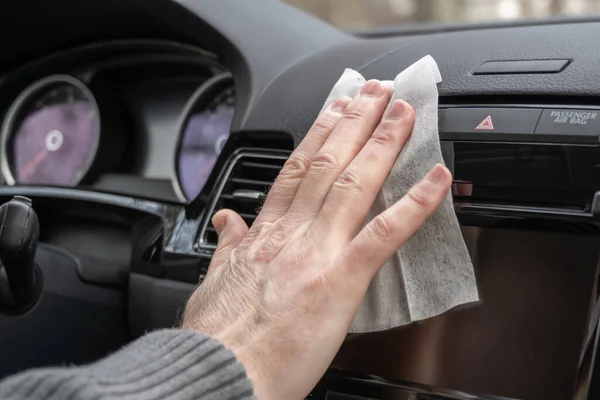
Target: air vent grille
[[242, 188]]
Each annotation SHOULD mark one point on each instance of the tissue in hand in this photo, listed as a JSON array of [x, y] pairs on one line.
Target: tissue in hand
[[432, 272]]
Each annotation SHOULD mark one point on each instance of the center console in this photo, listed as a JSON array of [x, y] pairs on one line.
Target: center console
[[524, 161], [527, 184]]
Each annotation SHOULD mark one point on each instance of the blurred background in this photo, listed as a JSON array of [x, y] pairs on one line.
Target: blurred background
[[362, 14]]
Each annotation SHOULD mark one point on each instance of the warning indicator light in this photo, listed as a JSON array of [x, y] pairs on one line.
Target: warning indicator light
[[486, 125]]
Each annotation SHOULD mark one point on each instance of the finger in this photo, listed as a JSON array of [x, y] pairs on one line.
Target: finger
[[347, 139], [352, 195], [231, 229], [283, 191], [381, 238]]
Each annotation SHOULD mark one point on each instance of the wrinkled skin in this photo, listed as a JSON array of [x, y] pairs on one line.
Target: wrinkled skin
[[282, 295]]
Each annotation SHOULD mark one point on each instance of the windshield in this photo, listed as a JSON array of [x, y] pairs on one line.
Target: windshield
[[365, 14]]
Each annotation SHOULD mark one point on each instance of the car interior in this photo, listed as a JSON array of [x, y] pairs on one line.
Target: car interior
[[126, 124]]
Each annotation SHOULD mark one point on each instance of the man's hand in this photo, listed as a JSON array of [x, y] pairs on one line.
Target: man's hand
[[282, 295]]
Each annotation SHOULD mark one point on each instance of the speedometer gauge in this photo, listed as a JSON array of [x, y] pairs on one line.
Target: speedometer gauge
[[51, 134], [204, 130]]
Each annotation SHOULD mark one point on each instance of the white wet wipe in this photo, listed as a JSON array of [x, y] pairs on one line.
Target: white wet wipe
[[432, 272]]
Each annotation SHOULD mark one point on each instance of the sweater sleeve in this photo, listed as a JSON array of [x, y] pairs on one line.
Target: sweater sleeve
[[167, 364]]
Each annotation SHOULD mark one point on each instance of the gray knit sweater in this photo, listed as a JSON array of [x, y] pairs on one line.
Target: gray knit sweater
[[168, 364]]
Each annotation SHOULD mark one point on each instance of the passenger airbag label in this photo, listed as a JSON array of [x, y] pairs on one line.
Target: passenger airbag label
[[572, 117], [568, 126]]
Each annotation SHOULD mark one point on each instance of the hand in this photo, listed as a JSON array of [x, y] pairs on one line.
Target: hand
[[282, 295]]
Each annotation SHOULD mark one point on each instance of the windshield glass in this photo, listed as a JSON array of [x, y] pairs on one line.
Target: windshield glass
[[366, 14]]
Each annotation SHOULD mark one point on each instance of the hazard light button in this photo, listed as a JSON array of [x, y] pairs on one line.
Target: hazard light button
[[489, 124]]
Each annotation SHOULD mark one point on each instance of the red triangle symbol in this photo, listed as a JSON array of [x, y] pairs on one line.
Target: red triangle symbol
[[486, 125]]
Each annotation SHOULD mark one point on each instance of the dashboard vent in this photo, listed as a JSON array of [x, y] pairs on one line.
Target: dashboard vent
[[242, 188]]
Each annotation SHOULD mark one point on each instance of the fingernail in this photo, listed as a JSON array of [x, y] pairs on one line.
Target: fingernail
[[219, 221], [397, 110], [340, 105], [438, 174], [373, 88]]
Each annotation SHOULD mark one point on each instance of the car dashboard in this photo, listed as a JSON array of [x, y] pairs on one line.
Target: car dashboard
[[132, 123]]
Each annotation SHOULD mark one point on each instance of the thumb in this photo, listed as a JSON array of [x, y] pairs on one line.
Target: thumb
[[231, 229]]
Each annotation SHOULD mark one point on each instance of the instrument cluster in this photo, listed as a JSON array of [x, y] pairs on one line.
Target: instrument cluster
[[51, 134], [64, 130], [204, 131]]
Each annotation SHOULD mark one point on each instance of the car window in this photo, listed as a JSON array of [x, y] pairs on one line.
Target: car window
[[366, 14]]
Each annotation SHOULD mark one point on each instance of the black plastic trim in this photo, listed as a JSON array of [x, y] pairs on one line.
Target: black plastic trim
[[522, 67]]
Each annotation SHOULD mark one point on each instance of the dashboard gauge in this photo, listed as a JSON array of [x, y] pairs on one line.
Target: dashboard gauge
[[51, 134], [205, 128]]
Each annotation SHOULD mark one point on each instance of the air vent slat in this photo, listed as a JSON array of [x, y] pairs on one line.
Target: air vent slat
[[248, 216], [252, 196], [250, 182], [232, 197], [247, 179], [249, 164]]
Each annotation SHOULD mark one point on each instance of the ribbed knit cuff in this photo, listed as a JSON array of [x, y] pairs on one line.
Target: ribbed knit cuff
[[173, 363]]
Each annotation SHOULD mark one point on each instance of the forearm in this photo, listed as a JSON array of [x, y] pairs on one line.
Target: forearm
[[175, 364]]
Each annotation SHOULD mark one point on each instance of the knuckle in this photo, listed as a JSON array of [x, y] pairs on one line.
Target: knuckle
[[295, 259], [252, 236], [355, 114], [268, 248], [257, 228], [384, 137], [418, 199], [382, 228], [318, 285], [295, 167], [322, 126], [325, 161], [349, 181], [258, 254], [278, 238]]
